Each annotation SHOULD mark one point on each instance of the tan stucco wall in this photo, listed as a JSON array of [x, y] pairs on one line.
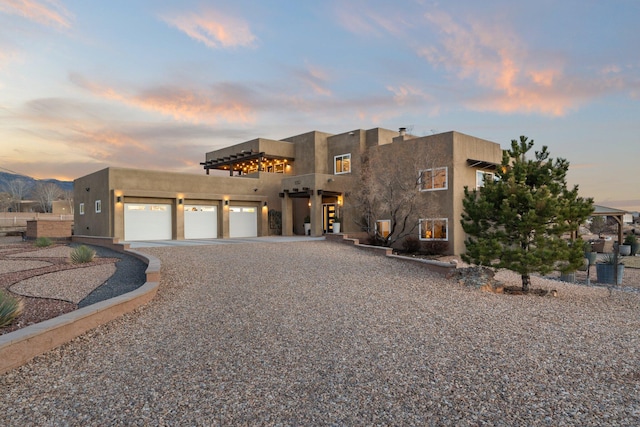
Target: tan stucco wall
[[147, 186], [310, 152], [380, 136], [467, 147], [451, 150], [88, 190]]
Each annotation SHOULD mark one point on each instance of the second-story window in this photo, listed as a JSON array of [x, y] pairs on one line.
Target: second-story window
[[482, 177], [342, 164], [433, 179]]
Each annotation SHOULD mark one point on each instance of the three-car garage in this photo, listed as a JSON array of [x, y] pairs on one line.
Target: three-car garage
[[154, 221]]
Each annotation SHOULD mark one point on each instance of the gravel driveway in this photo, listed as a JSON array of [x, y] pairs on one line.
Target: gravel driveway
[[319, 333]]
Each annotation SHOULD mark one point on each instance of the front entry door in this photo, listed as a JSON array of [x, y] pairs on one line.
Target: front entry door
[[328, 214]]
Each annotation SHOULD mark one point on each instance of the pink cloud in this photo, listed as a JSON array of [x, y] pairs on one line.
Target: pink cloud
[[496, 59], [360, 18], [103, 143], [316, 78], [407, 94], [49, 12], [209, 105], [214, 29]]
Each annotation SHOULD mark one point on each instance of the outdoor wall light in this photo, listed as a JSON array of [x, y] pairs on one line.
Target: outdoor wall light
[[226, 203], [265, 204], [309, 204], [119, 199], [180, 201]]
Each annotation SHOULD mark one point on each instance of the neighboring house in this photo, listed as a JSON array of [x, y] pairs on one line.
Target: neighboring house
[[58, 207], [312, 174]]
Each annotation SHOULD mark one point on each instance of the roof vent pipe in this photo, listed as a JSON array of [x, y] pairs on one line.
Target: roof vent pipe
[[403, 131]]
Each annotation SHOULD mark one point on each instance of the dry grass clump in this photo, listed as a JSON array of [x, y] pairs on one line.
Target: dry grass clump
[[82, 254], [43, 242], [10, 308]]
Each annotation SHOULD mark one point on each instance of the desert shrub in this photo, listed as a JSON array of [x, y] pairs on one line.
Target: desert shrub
[[435, 247], [411, 244], [368, 240], [43, 242], [10, 308], [82, 254]]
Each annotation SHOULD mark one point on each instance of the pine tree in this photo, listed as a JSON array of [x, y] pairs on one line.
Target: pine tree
[[523, 219]]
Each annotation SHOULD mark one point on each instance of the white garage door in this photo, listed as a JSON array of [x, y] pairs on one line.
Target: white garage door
[[147, 221], [200, 222], [243, 221]]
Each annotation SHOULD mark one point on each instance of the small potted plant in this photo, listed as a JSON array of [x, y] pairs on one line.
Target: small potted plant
[[624, 249], [336, 224], [606, 269], [568, 276], [307, 225], [632, 241]]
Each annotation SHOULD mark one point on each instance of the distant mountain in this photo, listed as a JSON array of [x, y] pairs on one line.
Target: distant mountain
[[6, 178]]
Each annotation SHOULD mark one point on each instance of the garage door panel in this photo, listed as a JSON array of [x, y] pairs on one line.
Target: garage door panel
[[144, 221], [200, 222], [243, 221]]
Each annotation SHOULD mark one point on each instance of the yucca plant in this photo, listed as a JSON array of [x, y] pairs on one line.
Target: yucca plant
[[82, 254], [43, 242], [10, 308]]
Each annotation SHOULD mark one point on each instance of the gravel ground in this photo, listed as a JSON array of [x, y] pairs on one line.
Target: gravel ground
[[49, 285], [320, 333], [68, 285]]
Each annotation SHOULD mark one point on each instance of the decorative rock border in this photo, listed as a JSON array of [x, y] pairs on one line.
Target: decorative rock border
[[443, 268], [18, 347]]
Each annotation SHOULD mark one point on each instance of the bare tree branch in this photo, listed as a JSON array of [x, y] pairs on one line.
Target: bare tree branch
[[45, 193]]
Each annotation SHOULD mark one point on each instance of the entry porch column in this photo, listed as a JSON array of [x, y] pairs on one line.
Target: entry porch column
[[287, 215], [316, 213]]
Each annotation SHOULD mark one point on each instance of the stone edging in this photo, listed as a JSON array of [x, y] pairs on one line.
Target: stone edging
[[18, 347], [443, 268]]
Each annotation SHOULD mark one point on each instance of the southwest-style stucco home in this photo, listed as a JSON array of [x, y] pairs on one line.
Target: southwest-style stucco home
[[311, 175]]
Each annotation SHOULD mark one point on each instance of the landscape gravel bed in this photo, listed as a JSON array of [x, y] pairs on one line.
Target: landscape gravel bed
[[320, 333], [68, 285], [49, 285]]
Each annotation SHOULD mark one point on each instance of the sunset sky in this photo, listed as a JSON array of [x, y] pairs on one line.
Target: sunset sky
[[154, 84]]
